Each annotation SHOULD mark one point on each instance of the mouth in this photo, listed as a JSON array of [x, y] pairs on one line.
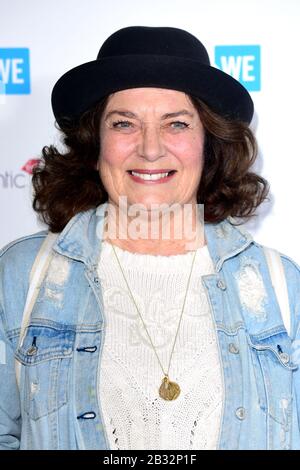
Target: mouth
[[151, 176]]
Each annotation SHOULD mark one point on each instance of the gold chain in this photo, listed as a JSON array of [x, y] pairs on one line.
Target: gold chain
[[168, 391]]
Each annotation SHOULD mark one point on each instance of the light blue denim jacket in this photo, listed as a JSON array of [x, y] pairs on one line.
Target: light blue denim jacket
[[58, 405]]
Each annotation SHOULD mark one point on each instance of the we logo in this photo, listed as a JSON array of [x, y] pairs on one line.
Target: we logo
[[14, 71], [242, 63]]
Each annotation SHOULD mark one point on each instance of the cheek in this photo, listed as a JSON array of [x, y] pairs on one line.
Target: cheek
[[108, 159], [114, 151], [113, 155], [190, 151]]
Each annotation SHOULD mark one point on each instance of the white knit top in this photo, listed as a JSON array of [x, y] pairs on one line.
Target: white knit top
[[135, 417]]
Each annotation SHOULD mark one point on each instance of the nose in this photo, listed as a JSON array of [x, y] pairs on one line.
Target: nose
[[151, 146]]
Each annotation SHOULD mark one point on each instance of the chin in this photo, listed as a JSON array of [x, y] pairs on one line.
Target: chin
[[150, 202]]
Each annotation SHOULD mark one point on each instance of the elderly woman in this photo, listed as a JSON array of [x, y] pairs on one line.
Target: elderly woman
[[131, 339]]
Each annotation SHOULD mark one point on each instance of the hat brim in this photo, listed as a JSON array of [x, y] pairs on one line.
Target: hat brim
[[83, 86]]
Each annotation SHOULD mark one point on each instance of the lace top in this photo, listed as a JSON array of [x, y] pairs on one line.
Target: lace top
[[135, 416]]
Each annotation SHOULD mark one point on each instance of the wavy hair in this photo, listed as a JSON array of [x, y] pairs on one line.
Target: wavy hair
[[67, 183]]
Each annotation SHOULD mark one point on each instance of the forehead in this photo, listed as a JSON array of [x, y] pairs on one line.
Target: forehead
[[150, 97]]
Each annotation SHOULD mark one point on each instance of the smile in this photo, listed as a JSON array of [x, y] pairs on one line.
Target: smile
[[146, 177]]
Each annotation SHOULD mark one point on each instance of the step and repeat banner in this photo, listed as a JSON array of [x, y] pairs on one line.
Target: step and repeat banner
[[256, 41]]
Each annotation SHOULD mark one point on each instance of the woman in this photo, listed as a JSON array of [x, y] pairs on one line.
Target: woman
[[136, 340]]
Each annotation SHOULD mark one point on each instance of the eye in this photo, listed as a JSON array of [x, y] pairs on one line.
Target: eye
[[181, 124], [119, 124], [127, 124]]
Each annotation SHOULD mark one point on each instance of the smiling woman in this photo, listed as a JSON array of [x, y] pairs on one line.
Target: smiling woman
[[142, 342], [151, 143], [212, 157]]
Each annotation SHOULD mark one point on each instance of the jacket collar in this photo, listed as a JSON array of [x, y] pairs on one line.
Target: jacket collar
[[225, 240], [81, 238]]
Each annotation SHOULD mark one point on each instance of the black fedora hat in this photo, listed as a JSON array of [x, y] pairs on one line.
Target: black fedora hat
[[145, 56]]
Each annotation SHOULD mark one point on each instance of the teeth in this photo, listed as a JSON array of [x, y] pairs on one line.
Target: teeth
[[150, 177]]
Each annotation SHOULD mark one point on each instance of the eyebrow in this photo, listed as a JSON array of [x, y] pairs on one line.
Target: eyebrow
[[129, 114]]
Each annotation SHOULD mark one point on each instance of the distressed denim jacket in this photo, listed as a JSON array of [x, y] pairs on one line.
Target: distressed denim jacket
[[58, 406]]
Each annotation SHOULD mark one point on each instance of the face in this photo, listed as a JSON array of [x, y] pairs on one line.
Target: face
[[151, 130]]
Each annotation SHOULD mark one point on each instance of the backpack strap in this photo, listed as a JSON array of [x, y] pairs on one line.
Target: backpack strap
[[279, 284], [37, 275]]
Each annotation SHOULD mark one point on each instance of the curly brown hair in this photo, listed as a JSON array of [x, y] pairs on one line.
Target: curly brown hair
[[67, 183]]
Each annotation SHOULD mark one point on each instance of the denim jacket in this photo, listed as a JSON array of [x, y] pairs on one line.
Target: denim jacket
[[58, 406]]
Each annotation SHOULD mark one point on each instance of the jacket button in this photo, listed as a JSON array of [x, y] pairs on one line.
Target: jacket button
[[32, 351], [284, 357], [221, 284], [233, 348], [240, 413], [96, 280]]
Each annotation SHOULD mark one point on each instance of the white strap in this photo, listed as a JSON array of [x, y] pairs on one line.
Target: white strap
[[37, 274], [279, 283]]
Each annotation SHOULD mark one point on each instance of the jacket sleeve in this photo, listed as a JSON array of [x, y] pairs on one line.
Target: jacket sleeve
[[16, 260], [292, 272], [10, 414]]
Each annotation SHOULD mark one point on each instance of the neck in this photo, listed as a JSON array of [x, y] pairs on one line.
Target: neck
[[164, 232]]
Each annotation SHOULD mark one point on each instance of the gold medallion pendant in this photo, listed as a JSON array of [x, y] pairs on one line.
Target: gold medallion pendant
[[169, 390]]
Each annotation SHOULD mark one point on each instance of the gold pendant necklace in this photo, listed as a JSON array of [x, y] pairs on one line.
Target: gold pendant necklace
[[168, 390]]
